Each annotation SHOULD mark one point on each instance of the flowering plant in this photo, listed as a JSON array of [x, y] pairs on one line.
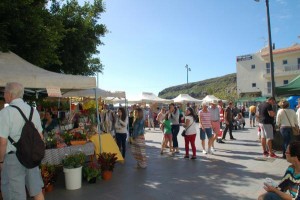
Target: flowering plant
[[48, 173]]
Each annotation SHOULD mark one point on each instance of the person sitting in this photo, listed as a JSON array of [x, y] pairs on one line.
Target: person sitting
[[48, 123], [291, 178], [239, 121]]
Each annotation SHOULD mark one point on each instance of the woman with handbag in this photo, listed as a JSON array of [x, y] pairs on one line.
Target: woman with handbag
[[190, 132], [286, 120]]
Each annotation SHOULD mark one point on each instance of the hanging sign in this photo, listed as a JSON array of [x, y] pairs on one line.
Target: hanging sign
[[53, 91]]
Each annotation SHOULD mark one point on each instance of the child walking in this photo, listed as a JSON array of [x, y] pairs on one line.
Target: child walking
[[167, 135]]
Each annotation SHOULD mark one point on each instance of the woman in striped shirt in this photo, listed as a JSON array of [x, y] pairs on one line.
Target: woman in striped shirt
[[205, 127]]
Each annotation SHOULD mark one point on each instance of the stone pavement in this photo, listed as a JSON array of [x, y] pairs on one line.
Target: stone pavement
[[236, 171]]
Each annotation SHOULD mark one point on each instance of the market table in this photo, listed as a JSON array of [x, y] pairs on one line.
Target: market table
[[55, 156]]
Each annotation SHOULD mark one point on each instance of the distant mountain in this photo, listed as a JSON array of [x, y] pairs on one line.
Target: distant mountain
[[223, 87]]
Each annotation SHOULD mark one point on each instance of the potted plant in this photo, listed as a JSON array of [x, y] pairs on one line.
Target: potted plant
[[107, 163], [72, 165], [48, 173], [91, 172]]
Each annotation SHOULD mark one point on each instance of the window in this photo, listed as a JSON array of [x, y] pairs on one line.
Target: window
[[253, 84], [284, 62], [268, 68], [285, 82], [252, 66]]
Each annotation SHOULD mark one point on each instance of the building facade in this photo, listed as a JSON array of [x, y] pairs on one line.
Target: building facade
[[254, 72]]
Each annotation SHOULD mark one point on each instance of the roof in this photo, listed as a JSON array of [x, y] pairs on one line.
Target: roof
[[293, 48]]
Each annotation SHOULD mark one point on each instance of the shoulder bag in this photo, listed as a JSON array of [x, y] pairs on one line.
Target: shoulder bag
[[295, 128], [184, 131]]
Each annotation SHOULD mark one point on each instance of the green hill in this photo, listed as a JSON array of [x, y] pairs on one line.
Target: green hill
[[223, 87]]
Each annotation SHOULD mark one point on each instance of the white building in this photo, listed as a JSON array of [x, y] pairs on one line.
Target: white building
[[253, 70]]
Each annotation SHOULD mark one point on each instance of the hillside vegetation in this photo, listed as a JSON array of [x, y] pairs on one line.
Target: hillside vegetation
[[223, 87]]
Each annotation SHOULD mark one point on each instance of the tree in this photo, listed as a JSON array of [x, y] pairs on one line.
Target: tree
[[81, 37], [27, 30], [61, 38]]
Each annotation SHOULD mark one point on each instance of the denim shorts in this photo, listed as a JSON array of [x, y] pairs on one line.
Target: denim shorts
[[15, 176], [272, 196], [208, 132]]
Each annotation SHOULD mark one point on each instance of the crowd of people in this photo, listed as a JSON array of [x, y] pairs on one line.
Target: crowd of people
[[210, 120]]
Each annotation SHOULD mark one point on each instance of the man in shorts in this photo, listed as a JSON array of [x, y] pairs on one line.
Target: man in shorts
[[252, 115], [266, 122], [14, 176]]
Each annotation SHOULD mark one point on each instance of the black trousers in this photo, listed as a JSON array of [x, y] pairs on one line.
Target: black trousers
[[228, 127]]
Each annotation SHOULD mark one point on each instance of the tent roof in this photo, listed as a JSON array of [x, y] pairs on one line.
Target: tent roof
[[14, 68], [148, 97], [209, 98], [185, 98], [91, 93], [293, 88]]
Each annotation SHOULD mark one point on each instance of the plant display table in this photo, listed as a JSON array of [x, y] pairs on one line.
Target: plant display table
[[55, 156]]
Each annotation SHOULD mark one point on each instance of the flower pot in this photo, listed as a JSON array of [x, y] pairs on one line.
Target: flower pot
[[49, 188], [73, 178], [78, 142], [92, 180], [106, 175]]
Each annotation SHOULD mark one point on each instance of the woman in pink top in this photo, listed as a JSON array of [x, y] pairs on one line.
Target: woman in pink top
[[205, 127]]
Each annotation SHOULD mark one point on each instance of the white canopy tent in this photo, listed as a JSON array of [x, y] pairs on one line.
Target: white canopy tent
[[92, 93], [13, 68], [148, 97], [185, 98], [209, 98]]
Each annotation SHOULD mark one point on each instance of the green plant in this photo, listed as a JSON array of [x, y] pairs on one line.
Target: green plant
[[107, 161], [48, 173], [74, 160], [92, 170], [67, 137]]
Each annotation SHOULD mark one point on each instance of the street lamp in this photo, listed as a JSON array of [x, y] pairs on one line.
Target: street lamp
[[270, 50], [187, 73]]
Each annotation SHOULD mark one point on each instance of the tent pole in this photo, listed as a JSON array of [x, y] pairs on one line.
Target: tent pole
[[97, 112]]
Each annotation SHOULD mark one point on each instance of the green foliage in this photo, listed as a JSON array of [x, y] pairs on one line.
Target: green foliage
[[107, 161], [92, 170], [63, 38], [222, 87], [74, 160]]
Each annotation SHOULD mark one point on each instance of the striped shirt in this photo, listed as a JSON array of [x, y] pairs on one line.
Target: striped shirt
[[205, 119], [290, 181]]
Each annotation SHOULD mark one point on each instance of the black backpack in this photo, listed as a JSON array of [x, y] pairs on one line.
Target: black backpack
[[30, 147]]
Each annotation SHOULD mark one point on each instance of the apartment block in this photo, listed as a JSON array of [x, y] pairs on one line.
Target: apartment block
[[253, 70]]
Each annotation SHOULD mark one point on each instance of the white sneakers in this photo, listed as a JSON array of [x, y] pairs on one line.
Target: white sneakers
[[209, 151]]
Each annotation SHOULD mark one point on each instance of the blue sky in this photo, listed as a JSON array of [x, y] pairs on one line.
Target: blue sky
[[150, 41]]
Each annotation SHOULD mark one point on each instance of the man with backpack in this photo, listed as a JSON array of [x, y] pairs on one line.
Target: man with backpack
[[14, 175]]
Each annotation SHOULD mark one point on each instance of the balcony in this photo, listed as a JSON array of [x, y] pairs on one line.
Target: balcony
[[285, 70]]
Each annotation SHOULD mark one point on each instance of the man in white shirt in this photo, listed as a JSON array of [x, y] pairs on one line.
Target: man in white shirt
[[14, 175]]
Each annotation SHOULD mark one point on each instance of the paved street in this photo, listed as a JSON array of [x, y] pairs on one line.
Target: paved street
[[235, 171]]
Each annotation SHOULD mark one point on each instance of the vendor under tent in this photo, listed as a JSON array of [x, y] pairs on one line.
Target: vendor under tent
[[14, 68], [148, 97], [185, 98]]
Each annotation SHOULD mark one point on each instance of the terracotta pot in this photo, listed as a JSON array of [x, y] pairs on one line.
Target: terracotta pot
[[49, 188], [106, 175]]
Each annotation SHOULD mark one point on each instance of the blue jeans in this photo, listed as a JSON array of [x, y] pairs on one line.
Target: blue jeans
[[121, 142], [175, 131], [286, 133]]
